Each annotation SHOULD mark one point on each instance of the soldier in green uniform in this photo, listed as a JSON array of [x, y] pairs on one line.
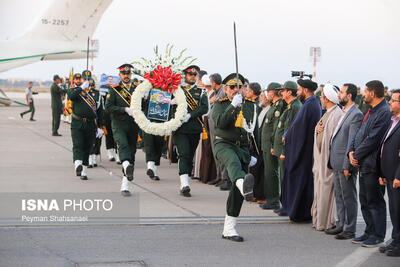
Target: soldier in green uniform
[[56, 104], [124, 127], [386, 95], [235, 121], [153, 147], [271, 174], [364, 106], [95, 150], [358, 97], [187, 137], [289, 95], [83, 124]]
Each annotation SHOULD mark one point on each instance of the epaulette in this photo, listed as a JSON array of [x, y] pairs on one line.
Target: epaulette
[[249, 99], [115, 85], [223, 99], [277, 103], [137, 83]]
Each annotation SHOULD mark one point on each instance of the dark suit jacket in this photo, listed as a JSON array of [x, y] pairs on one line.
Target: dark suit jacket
[[365, 143], [389, 162]]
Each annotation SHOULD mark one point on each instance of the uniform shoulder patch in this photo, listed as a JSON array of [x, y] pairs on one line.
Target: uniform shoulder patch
[[277, 103], [223, 99], [277, 113], [249, 99], [115, 85]]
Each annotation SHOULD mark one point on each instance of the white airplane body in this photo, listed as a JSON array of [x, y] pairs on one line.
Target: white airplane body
[[60, 33]]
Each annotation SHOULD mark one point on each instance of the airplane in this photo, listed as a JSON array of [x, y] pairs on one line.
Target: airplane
[[61, 32]]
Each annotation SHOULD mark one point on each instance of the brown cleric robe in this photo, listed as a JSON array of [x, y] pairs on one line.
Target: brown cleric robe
[[323, 209]]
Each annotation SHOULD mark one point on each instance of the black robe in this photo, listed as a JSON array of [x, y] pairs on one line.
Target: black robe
[[298, 182]]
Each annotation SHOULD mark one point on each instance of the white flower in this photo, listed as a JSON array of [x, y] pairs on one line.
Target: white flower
[[165, 128]]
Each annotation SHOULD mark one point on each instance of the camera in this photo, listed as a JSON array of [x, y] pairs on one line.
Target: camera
[[301, 74]]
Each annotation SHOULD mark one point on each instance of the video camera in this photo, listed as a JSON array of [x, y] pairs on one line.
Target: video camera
[[301, 74]]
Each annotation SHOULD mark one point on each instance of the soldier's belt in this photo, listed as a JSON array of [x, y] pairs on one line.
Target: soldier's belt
[[238, 143], [82, 118]]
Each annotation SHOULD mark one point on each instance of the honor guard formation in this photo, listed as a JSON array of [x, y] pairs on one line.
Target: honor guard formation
[[294, 147]]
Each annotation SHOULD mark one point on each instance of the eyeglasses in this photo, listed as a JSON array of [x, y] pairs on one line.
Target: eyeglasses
[[233, 86]]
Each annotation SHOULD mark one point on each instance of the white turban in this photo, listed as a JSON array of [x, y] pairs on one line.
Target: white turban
[[206, 80], [331, 92]]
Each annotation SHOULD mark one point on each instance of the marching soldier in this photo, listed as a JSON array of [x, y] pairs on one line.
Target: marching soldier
[[153, 147], [83, 124], [271, 174], [124, 127], [235, 121], [289, 95], [186, 138], [95, 150]]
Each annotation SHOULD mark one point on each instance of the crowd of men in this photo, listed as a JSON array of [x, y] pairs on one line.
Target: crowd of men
[[290, 147]]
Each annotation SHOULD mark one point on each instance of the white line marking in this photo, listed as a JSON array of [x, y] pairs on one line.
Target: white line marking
[[361, 254], [11, 118]]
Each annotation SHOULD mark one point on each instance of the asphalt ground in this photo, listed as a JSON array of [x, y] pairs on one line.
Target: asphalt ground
[[154, 227]]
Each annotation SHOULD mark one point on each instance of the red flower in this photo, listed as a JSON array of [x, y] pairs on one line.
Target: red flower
[[164, 79]]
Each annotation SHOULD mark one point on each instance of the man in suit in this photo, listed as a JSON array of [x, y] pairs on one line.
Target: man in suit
[[345, 175], [389, 172], [362, 153]]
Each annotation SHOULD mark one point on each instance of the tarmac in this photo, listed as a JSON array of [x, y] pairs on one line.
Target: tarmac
[[154, 227]]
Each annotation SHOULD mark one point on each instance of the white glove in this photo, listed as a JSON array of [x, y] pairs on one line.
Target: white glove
[[85, 85], [237, 100], [173, 102], [253, 161], [99, 133], [129, 111], [186, 118]]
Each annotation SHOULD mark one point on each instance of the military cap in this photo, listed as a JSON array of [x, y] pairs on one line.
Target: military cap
[[125, 68], [231, 79], [193, 69], [274, 86], [306, 83], [56, 77], [77, 76], [86, 74], [290, 85]]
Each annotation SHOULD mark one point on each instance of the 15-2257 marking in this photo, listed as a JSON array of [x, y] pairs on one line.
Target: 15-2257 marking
[[56, 22]]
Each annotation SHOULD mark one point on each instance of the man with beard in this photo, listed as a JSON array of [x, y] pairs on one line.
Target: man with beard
[[345, 175], [235, 121], [289, 92], [124, 127], [186, 138], [297, 184], [323, 208], [83, 124], [271, 174], [363, 152]]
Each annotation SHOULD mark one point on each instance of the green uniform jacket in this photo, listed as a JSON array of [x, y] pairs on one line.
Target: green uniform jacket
[[225, 115], [115, 105], [79, 106], [270, 125], [364, 106], [193, 126], [283, 124], [100, 106], [56, 93]]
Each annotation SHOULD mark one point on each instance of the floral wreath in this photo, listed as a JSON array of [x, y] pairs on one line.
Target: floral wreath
[[164, 74]]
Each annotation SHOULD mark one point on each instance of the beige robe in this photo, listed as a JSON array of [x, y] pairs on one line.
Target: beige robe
[[323, 209]]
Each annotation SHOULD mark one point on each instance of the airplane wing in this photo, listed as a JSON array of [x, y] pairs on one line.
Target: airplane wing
[[61, 32]]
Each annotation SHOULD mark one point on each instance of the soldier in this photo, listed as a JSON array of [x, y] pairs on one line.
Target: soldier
[[110, 144], [95, 149], [124, 127], [83, 124], [271, 174], [289, 95], [153, 147], [186, 138], [235, 121], [56, 104]]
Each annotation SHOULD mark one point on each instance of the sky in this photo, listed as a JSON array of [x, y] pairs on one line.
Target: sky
[[359, 39]]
